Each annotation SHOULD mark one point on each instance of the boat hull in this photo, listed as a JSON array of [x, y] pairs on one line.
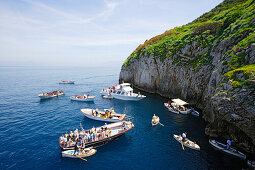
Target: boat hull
[[156, 121], [69, 82], [222, 148], [124, 97], [70, 154], [101, 119], [82, 100], [193, 146]]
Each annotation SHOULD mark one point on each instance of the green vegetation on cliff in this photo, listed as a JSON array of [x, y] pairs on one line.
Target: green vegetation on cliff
[[231, 20]]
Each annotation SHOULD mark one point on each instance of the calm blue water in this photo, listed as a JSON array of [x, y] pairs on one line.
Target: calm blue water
[[30, 128]]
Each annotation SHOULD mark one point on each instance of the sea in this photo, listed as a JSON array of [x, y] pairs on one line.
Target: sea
[[30, 128]]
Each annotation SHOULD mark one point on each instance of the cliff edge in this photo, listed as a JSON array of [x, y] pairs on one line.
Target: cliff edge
[[210, 63]]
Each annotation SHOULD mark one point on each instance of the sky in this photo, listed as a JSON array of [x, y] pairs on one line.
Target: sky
[[86, 32]]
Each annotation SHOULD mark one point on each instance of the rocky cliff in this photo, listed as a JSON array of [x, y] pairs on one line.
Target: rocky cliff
[[210, 63]]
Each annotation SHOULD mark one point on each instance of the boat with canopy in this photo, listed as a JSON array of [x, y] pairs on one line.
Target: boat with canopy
[[106, 115], [177, 106]]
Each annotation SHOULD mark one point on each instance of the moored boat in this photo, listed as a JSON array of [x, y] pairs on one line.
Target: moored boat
[[82, 153], [222, 147], [96, 136], [122, 92], [194, 112], [177, 106], [51, 94], [83, 98], [106, 116], [155, 120], [109, 96], [188, 143], [66, 82], [251, 163]]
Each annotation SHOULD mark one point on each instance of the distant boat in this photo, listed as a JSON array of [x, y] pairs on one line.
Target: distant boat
[[116, 129], [223, 148], [194, 112], [251, 163], [51, 94], [177, 106], [155, 120], [188, 143], [83, 98], [105, 116], [122, 92], [66, 82], [79, 154]]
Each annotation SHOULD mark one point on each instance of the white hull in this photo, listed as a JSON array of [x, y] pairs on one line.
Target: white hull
[[46, 97], [187, 143], [124, 97], [70, 153], [103, 93], [90, 99], [68, 82]]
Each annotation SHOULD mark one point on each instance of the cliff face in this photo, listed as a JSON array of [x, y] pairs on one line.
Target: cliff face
[[210, 69]]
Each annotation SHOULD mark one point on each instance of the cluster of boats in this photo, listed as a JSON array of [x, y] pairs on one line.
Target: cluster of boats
[[80, 144]]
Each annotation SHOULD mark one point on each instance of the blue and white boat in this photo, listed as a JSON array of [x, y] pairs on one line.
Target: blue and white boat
[[223, 148]]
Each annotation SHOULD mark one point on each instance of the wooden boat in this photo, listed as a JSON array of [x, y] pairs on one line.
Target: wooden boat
[[178, 106], [224, 149], [84, 98], [187, 143], [51, 94], [79, 154], [251, 163], [155, 120], [116, 130], [66, 82], [105, 116]]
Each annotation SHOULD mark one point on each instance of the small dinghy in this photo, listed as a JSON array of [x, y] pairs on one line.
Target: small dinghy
[[79, 154], [109, 96], [155, 120], [223, 148], [187, 143], [106, 116], [83, 98], [251, 164], [51, 94], [194, 112], [66, 82]]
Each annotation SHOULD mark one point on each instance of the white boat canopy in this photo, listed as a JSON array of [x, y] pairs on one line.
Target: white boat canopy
[[180, 102], [127, 89]]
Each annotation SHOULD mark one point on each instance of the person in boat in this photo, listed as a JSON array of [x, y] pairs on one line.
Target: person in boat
[[154, 119], [229, 143], [184, 136]]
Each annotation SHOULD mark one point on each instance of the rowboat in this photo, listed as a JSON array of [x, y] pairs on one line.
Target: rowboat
[[251, 163], [155, 120], [84, 98], [223, 148], [79, 154], [105, 116], [187, 143], [66, 82], [194, 112], [103, 135], [51, 94], [108, 96], [171, 109]]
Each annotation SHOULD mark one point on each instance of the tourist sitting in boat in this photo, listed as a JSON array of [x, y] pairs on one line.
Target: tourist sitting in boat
[[184, 136]]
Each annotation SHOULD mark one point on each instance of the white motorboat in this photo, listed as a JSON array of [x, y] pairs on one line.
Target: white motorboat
[[51, 94], [106, 116], [122, 92], [177, 106], [66, 82], [83, 98]]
